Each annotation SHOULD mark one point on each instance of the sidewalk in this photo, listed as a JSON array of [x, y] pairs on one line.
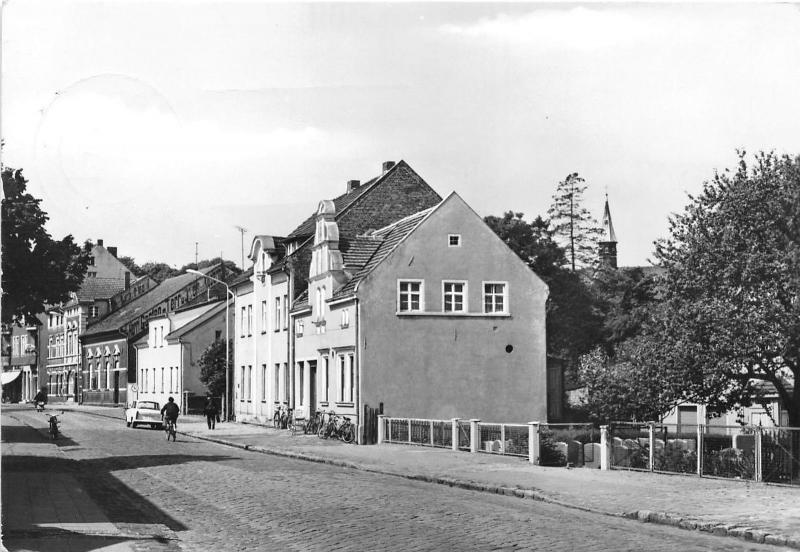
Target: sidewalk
[[752, 511]]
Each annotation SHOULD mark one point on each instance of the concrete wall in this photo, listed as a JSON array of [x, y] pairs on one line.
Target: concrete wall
[[441, 366]]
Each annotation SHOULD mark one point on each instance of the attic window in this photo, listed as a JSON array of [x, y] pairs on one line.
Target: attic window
[[454, 240]]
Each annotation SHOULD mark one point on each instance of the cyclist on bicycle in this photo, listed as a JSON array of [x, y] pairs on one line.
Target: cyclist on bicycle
[[170, 412]]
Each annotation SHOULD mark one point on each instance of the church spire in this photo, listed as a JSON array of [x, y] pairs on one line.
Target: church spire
[[608, 242], [608, 226]]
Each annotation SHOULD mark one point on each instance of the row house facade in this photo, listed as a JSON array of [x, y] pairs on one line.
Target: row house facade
[[167, 356], [61, 350], [421, 309], [108, 365], [20, 375]]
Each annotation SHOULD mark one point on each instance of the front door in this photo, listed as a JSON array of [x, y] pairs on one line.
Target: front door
[[312, 395], [116, 387]]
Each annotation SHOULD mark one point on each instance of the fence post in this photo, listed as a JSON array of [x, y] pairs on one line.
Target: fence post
[[759, 472], [381, 428], [454, 434], [605, 449], [409, 431], [651, 435], [701, 429], [533, 443], [431, 435], [474, 434]]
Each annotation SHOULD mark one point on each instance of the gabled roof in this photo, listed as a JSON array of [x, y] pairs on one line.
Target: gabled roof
[[341, 203], [242, 278], [198, 321], [357, 252], [145, 302], [389, 236], [99, 288]]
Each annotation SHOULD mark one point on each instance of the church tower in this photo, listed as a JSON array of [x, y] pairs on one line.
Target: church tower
[[608, 241]]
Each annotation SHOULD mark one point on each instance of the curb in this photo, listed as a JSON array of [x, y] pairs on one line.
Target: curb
[[746, 533]]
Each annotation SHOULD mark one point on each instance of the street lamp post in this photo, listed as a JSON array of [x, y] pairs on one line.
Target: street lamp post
[[225, 406]]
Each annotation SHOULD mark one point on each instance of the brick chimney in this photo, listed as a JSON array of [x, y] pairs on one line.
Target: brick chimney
[[100, 241], [352, 185], [112, 250], [387, 165]]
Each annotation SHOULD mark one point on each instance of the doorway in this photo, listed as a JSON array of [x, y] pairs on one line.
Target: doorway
[[312, 386]]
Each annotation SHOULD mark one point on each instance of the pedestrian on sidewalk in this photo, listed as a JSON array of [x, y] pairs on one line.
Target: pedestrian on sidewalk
[[210, 410]]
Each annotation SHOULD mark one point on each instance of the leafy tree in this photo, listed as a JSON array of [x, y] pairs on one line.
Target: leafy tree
[[626, 297], [159, 271], [732, 286], [212, 367], [37, 270], [573, 224], [131, 265], [573, 322]]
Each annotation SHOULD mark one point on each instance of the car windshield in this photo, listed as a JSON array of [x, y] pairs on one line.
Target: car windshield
[[147, 405]]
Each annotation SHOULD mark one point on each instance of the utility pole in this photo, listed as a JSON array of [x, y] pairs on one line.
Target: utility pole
[[242, 230]]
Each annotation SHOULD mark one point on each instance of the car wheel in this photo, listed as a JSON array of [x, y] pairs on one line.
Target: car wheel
[[129, 423], [133, 425]]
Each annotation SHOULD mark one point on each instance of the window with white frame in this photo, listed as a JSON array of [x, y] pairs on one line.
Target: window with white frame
[[341, 374], [264, 316], [249, 383], [241, 384], [299, 327], [264, 380], [410, 296], [277, 320], [454, 296], [352, 374], [345, 318], [249, 319], [277, 382], [243, 323], [495, 297], [454, 240], [286, 312]]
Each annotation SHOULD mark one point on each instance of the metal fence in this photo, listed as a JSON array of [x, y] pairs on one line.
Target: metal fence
[[769, 454], [506, 439], [431, 433], [569, 445]]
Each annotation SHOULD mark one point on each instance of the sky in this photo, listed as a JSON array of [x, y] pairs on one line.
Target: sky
[[157, 126]]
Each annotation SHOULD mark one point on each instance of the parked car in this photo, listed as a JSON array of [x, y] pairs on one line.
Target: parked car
[[144, 412]]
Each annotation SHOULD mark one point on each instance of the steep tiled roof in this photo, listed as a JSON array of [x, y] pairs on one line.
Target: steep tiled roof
[[99, 288], [357, 251], [144, 303], [341, 203], [390, 236]]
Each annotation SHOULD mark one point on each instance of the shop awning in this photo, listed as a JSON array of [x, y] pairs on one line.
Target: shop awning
[[8, 377]]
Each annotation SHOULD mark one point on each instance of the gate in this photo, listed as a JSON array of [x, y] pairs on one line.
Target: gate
[[371, 424]]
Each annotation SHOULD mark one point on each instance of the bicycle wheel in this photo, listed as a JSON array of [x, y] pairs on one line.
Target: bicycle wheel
[[348, 434], [276, 420]]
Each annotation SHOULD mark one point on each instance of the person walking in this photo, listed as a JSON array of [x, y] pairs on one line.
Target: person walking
[[211, 412]]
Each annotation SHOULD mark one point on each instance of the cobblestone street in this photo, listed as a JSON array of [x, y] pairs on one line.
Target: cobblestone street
[[135, 491]]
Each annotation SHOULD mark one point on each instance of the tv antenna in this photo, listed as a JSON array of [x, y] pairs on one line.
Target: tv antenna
[[241, 230]]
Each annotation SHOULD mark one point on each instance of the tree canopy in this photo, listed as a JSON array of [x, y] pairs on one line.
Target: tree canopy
[[212, 367], [572, 224], [732, 286], [573, 323], [37, 270]]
